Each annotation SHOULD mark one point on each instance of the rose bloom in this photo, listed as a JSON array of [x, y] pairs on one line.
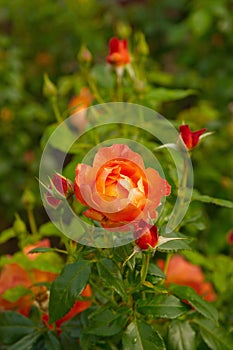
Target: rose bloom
[[190, 138], [183, 273], [118, 189], [118, 52], [78, 105]]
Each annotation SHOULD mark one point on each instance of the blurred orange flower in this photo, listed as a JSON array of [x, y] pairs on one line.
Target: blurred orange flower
[[183, 273], [13, 275], [78, 105], [118, 188]]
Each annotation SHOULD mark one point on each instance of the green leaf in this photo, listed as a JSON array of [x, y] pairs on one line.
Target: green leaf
[[198, 303], [72, 327], [13, 294], [181, 336], [106, 323], [154, 270], [51, 262], [172, 244], [68, 343], [41, 250], [6, 235], [67, 287], [162, 306], [215, 337], [26, 342], [141, 336], [111, 276], [51, 342], [198, 259], [14, 326], [49, 229], [166, 95], [207, 199]]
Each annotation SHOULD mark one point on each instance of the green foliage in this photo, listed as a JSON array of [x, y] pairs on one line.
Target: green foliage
[[215, 337], [162, 306], [14, 327], [141, 336], [181, 336], [67, 287], [200, 305], [183, 68]]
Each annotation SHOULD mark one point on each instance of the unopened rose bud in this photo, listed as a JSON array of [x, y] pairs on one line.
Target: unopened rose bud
[[141, 46], [190, 138], [146, 236], [59, 189], [49, 89], [19, 226], [84, 55], [28, 199]]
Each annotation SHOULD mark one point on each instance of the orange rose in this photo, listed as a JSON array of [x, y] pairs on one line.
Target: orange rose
[[118, 189], [183, 273]]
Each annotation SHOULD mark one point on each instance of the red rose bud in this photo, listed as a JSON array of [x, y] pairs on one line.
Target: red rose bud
[[118, 52], [146, 236], [191, 139], [59, 189]]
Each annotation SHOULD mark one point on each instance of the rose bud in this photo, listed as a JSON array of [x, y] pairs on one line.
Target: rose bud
[[118, 52], [190, 139], [59, 189], [119, 57], [146, 236]]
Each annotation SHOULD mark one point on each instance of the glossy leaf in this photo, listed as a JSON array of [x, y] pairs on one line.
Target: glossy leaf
[[162, 306], [205, 308], [215, 337], [110, 274], [51, 342], [173, 244], [154, 270], [14, 326], [67, 287], [141, 336], [106, 323], [68, 343], [25, 343], [41, 250], [181, 336]]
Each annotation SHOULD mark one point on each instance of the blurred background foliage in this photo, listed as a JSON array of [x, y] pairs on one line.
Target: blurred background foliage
[[188, 45]]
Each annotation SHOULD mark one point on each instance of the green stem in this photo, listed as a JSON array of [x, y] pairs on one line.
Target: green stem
[[167, 261], [56, 109], [145, 266], [182, 194], [32, 222]]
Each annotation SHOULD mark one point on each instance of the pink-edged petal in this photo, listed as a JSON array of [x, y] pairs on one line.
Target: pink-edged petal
[[116, 151]]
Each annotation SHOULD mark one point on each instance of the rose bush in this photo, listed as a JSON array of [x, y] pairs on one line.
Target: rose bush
[[118, 189]]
